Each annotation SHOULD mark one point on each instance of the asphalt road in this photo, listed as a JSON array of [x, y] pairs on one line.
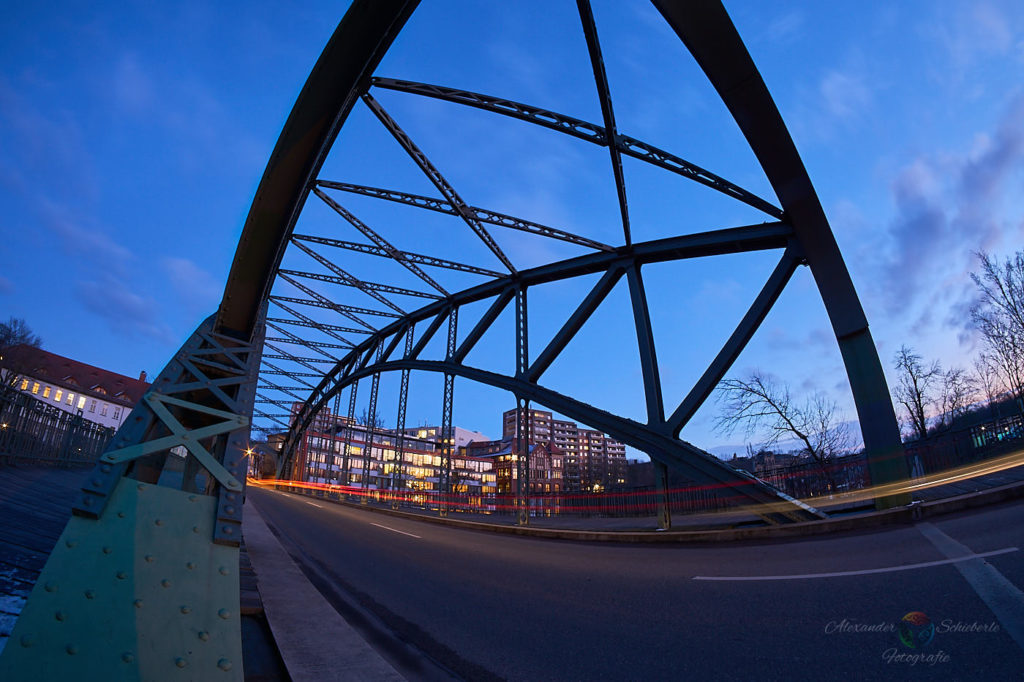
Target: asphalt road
[[499, 606]]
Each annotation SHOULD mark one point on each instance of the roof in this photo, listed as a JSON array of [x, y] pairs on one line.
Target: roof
[[73, 375]]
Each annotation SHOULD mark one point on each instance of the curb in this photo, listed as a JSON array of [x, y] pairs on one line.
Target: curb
[[899, 516], [311, 654]]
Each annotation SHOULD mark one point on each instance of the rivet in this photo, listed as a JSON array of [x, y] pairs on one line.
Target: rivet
[[186, 609], [121, 575], [138, 603], [28, 640], [180, 662], [227, 530], [231, 497], [120, 515], [108, 550], [87, 501], [190, 566], [105, 468], [204, 635], [141, 487], [223, 570], [165, 583], [195, 529], [192, 498], [97, 482], [70, 543], [224, 664], [224, 613], [229, 509], [159, 522], [71, 649], [150, 558], [90, 594], [127, 657], [60, 615], [50, 586]]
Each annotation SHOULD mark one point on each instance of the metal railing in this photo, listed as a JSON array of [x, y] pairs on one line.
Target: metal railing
[[31, 430]]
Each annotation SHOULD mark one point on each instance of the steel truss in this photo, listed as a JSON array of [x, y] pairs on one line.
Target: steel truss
[[345, 77]]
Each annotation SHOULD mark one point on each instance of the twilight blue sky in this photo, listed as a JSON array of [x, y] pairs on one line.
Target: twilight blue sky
[[133, 136]]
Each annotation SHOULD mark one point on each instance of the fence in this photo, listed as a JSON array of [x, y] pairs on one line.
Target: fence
[[31, 430], [939, 452]]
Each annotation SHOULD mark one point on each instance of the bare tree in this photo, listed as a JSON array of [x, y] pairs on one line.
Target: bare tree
[[757, 404], [377, 421], [958, 390], [15, 331], [915, 388], [988, 380], [999, 316]]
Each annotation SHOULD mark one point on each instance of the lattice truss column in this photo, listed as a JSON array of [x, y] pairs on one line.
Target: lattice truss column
[[143, 582]]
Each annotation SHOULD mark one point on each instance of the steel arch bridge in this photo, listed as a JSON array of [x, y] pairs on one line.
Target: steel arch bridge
[[160, 516]]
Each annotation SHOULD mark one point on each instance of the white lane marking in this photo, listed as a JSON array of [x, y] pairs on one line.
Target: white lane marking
[[867, 571], [395, 530], [314, 504], [1003, 598]]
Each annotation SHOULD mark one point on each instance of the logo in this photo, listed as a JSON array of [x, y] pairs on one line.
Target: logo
[[916, 630]]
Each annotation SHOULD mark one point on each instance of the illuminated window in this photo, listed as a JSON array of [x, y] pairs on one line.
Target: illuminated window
[[35, 387], [46, 392], [71, 398], [103, 410], [58, 395], [81, 402], [24, 384]]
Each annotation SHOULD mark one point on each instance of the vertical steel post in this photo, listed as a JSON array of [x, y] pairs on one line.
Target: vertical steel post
[[346, 476], [447, 436], [334, 431], [371, 426], [524, 422], [398, 472], [661, 485]]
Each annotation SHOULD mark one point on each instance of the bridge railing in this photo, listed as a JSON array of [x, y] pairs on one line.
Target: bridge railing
[[33, 431]]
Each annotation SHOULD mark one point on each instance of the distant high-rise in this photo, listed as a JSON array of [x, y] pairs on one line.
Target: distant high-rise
[[593, 460]]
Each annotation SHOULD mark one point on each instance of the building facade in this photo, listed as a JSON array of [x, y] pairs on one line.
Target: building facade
[[98, 395], [593, 461]]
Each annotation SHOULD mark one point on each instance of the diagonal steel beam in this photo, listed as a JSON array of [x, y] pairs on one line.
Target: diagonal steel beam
[[737, 341], [345, 277], [315, 325], [290, 375], [296, 358], [439, 181], [323, 299], [411, 257], [378, 240], [482, 214], [363, 285], [318, 344], [583, 130], [575, 322], [607, 112], [483, 324], [645, 341], [329, 305]]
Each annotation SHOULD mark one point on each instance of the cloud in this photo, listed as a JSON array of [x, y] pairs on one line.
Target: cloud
[[947, 208], [191, 282], [844, 94], [124, 310], [82, 241]]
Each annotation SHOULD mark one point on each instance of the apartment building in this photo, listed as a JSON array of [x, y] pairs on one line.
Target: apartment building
[[593, 461]]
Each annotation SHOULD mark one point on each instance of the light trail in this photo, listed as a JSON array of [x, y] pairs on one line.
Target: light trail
[[645, 502]]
